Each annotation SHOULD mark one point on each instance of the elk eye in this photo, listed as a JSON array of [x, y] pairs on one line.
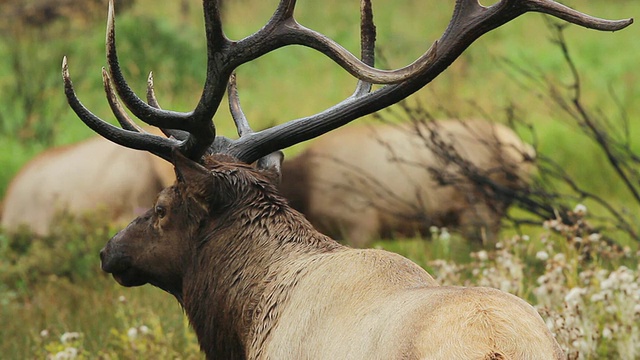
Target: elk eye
[[160, 211]]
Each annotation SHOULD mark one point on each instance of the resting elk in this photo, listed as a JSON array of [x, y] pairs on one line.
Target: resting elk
[[92, 176], [385, 179], [255, 279]]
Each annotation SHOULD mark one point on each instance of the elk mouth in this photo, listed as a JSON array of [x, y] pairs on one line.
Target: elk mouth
[[129, 278], [122, 270], [125, 276]]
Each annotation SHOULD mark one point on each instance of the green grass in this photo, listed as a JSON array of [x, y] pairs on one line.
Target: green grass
[[287, 84]]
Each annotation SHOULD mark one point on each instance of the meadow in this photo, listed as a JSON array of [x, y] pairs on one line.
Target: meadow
[[56, 303]]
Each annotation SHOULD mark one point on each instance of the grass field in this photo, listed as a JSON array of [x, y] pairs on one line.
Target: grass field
[[586, 290]]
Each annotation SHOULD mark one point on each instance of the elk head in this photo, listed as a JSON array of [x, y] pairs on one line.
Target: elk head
[[213, 178], [159, 246], [152, 248]]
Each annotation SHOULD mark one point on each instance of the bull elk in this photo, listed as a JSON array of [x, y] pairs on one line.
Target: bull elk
[[385, 179], [93, 175], [255, 279]]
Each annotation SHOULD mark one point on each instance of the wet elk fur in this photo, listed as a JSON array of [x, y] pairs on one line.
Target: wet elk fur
[[256, 280]]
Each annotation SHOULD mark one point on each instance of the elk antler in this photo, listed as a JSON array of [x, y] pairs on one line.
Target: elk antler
[[194, 132]]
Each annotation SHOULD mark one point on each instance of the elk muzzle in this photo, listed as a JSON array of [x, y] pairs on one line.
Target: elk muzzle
[[116, 260]]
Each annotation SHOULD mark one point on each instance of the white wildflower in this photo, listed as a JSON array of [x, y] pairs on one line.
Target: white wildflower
[[505, 285], [66, 354], [69, 336], [482, 255], [581, 345], [559, 323], [608, 283], [550, 324], [144, 330], [575, 295], [580, 210], [625, 275], [602, 273], [611, 309], [542, 279], [600, 296], [444, 234], [122, 299], [542, 255], [607, 333], [44, 333], [595, 237], [560, 258], [132, 333]]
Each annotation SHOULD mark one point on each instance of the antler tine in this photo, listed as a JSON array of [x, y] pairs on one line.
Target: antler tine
[[242, 124], [125, 121], [272, 161], [197, 123], [139, 108], [159, 146], [283, 30], [575, 17], [470, 21], [153, 101], [367, 44]]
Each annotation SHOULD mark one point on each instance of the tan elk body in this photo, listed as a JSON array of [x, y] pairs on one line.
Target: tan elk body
[[367, 181], [95, 175], [298, 293], [256, 280]]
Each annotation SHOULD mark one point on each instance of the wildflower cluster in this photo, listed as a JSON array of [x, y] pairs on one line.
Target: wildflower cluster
[[586, 288], [127, 341], [68, 346]]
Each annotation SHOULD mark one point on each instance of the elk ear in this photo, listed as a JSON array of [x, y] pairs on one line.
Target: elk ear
[[187, 170], [272, 166]]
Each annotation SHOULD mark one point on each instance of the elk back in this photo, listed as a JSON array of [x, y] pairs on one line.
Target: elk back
[[94, 175], [377, 180]]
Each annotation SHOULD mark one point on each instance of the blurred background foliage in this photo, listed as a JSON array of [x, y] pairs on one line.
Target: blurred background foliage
[[55, 283], [295, 81]]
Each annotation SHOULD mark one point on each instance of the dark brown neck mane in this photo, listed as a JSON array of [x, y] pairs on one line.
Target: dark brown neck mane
[[240, 275]]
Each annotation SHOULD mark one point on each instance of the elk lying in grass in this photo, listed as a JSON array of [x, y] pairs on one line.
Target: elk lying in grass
[[256, 280], [363, 182], [94, 175]]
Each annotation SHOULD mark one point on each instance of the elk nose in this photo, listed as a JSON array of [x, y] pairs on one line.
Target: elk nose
[[103, 260]]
